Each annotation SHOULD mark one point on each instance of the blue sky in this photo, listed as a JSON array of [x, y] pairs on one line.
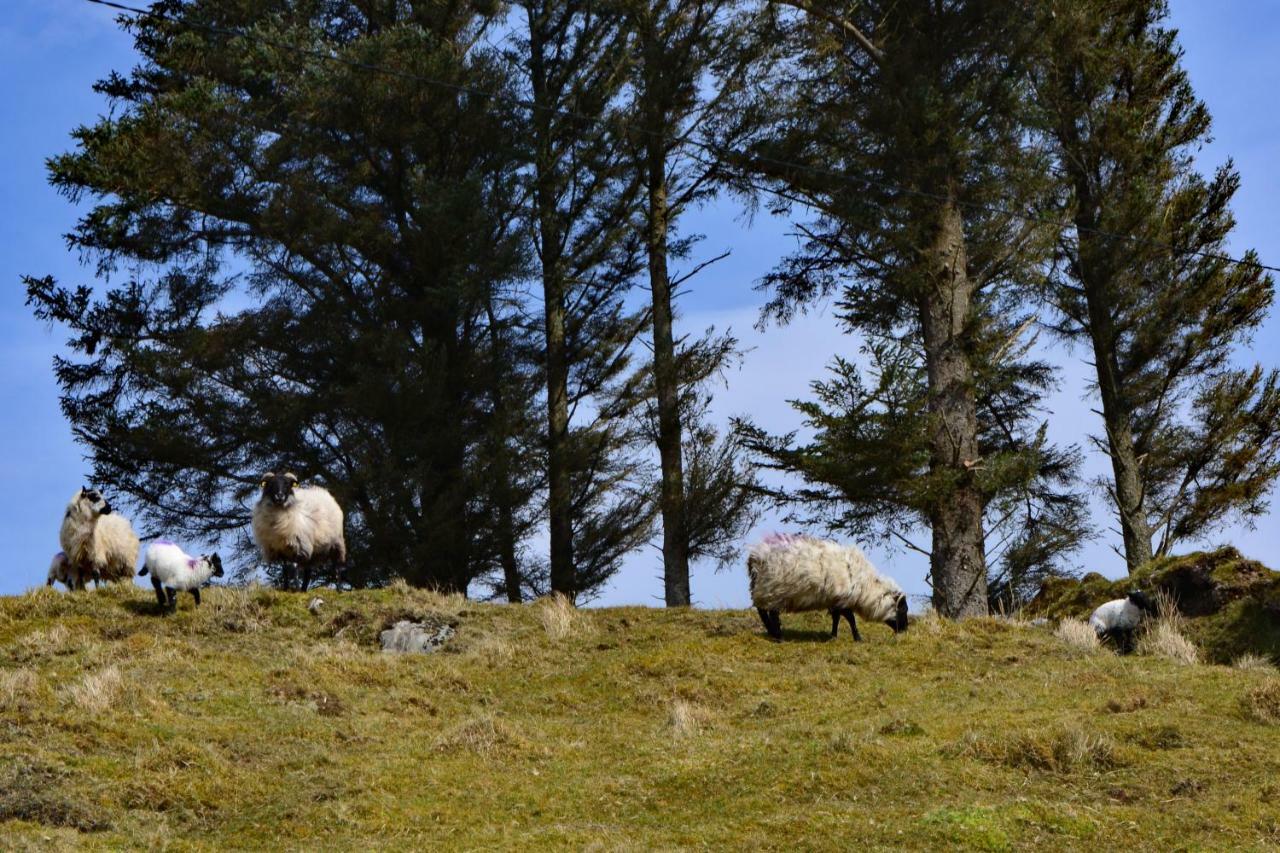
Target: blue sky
[[51, 52]]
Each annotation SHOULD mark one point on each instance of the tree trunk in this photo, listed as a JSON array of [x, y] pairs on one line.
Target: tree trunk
[[958, 560], [550, 234], [1116, 416], [675, 535]]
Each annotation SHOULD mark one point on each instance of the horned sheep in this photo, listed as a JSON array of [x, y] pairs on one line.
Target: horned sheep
[[97, 542], [795, 573], [298, 525]]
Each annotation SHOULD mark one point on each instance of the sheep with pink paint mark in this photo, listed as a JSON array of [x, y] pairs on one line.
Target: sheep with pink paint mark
[[795, 573], [173, 569]]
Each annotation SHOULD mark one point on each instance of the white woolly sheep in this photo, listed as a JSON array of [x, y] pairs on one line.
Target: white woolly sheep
[[172, 569], [794, 573], [60, 571], [1119, 620], [98, 543], [298, 525]]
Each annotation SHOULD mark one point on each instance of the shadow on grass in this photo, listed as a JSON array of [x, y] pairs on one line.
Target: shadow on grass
[[145, 607], [790, 636]]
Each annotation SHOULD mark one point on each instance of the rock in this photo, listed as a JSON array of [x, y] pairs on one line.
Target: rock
[[407, 637], [315, 604]]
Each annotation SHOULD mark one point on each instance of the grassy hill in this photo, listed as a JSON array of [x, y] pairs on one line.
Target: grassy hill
[[252, 722]]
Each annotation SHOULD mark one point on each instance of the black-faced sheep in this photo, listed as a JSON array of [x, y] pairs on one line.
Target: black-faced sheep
[[298, 525], [172, 569], [98, 543], [797, 573], [1120, 619]]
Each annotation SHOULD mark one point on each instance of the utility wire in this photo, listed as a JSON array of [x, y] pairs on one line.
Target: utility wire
[[715, 152]]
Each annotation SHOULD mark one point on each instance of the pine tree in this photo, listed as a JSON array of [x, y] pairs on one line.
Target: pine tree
[[1193, 440], [309, 264], [899, 127], [686, 66], [582, 210]]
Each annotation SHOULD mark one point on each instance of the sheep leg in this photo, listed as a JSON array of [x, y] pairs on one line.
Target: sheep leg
[[159, 591], [195, 593], [848, 614], [772, 624], [173, 598], [306, 576], [835, 623]]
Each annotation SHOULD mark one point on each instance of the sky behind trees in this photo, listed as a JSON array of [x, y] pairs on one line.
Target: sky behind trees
[[52, 51]]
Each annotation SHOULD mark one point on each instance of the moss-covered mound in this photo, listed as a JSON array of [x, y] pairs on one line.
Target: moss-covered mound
[[1232, 603]]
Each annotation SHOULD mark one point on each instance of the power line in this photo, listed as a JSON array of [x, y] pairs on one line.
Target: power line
[[703, 146]]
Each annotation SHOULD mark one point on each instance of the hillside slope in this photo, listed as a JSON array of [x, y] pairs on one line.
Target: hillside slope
[[252, 722]]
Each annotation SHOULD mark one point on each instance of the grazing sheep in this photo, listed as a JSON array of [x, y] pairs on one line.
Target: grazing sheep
[[795, 573], [299, 525], [172, 569], [1119, 620], [99, 544]]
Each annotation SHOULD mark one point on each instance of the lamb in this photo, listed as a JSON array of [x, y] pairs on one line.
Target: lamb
[[60, 571], [1119, 620], [172, 569], [794, 573], [299, 525], [98, 543]]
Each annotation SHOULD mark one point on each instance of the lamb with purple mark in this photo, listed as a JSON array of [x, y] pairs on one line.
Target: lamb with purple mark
[[173, 569]]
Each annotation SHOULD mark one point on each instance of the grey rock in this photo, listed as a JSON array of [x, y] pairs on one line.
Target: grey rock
[[407, 637]]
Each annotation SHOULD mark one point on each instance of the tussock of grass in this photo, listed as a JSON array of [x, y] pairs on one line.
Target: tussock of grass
[[1262, 703], [483, 734], [1165, 637], [97, 691], [1077, 634], [1254, 663], [559, 617], [251, 723], [686, 719], [1064, 750]]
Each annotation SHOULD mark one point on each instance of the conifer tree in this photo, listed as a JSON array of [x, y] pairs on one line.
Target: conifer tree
[[1194, 439], [687, 65], [899, 128], [306, 262]]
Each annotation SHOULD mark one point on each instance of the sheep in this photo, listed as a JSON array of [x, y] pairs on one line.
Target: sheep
[[794, 573], [172, 569], [60, 571], [1119, 619], [297, 524], [99, 543]]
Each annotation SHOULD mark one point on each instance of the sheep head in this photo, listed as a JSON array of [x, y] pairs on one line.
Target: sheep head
[[93, 501], [898, 622], [216, 563], [278, 488]]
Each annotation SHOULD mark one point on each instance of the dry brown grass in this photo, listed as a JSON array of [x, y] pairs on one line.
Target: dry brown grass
[[1166, 637], [1254, 663], [685, 718], [482, 734], [1061, 750], [18, 688], [559, 617], [1262, 703], [97, 691], [1077, 634]]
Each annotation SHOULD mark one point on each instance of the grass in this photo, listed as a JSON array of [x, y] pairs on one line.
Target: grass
[[252, 723]]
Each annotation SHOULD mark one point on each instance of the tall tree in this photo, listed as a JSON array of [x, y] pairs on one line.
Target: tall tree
[[582, 211], [687, 63], [899, 126], [305, 257], [1193, 440]]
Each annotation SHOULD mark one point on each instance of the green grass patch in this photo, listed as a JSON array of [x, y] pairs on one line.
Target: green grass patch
[[254, 723]]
